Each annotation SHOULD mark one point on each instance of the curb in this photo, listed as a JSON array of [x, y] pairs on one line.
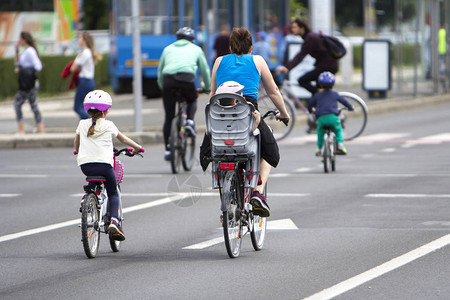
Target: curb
[[49, 140]]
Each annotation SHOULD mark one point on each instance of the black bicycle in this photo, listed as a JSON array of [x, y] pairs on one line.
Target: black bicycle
[[181, 141]]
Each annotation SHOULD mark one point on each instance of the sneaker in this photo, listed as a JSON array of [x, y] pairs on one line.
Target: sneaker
[[167, 155], [260, 207], [115, 231], [341, 149], [190, 127], [318, 152]]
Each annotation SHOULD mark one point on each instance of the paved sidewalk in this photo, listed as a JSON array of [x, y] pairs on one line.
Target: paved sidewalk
[[61, 121]]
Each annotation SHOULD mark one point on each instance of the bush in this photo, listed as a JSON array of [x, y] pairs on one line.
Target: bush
[[50, 77]]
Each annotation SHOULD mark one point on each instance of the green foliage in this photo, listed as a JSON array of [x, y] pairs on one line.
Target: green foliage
[[50, 77], [95, 14], [298, 8]]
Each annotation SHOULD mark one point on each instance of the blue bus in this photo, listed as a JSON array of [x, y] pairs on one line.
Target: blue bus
[[159, 20]]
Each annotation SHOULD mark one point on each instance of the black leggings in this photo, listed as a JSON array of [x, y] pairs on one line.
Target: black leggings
[[105, 170], [170, 100], [305, 80]]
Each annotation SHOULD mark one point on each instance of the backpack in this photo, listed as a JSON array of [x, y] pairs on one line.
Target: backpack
[[335, 48]]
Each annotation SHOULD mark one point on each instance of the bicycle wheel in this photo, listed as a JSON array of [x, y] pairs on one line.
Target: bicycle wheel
[[353, 122], [175, 146], [258, 226], [90, 218], [115, 245], [326, 155], [188, 151], [280, 131], [231, 218]]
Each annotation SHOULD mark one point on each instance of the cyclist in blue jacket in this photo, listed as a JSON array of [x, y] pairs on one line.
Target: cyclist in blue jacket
[[326, 111]]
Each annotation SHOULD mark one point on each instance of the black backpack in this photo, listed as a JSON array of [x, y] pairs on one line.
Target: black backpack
[[27, 78], [335, 48]]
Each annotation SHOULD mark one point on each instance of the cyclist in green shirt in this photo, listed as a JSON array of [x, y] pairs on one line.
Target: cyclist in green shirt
[[176, 71]]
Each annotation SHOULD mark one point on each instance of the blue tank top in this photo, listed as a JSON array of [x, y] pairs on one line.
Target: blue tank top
[[241, 69]]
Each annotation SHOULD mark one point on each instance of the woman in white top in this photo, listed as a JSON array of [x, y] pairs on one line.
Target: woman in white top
[[84, 62], [27, 65]]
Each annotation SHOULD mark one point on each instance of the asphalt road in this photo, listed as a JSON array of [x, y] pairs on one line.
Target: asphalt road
[[377, 228]]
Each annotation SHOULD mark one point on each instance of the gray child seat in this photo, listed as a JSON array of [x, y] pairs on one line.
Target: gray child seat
[[232, 136]]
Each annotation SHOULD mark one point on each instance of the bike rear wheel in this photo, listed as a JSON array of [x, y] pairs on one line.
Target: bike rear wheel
[[231, 218], [353, 122], [258, 226], [90, 231], [188, 151], [333, 149], [280, 131], [175, 146]]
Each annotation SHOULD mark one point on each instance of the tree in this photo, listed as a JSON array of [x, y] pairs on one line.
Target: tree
[[95, 14]]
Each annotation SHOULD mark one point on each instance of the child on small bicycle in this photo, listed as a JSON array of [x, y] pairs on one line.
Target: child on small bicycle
[[326, 110], [94, 145]]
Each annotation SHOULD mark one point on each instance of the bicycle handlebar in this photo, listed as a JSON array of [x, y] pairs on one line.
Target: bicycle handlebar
[[275, 113], [128, 152]]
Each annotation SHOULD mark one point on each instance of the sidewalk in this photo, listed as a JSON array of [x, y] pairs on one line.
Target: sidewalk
[[61, 121]]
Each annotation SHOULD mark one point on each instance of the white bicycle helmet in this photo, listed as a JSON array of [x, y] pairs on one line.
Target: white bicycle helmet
[[97, 99], [230, 87]]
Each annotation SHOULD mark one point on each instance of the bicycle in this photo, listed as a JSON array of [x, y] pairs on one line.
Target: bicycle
[[352, 124], [235, 164], [181, 142], [95, 218]]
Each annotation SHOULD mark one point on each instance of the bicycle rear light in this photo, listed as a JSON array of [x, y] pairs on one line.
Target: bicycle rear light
[[226, 166], [229, 142]]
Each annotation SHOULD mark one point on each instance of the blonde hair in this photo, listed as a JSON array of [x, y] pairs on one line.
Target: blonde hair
[[95, 115], [89, 40]]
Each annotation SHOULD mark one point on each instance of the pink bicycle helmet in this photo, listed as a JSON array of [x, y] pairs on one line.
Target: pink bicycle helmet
[[98, 99]]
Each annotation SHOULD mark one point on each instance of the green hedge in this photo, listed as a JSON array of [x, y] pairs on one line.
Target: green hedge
[[407, 51], [50, 77]]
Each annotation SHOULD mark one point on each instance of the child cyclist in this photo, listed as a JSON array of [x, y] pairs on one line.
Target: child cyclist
[[94, 146], [326, 111]]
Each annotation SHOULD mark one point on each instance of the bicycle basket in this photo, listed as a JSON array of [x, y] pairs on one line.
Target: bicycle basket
[[118, 171]]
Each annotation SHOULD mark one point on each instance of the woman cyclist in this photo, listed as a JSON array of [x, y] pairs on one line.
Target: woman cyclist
[[249, 70], [94, 146]]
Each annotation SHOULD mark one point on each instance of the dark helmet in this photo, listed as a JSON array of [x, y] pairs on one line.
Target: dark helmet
[[186, 33], [326, 80]]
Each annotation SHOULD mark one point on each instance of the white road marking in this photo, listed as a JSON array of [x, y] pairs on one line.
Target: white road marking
[[23, 176], [284, 224], [432, 139], [9, 195], [389, 150], [407, 196], [301, 170], [382, 269], [17, 235], [379, 137]]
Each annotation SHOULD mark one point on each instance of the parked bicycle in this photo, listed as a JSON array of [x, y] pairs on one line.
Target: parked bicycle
[[235, 169], [353, 124], [181, 141], [95, 218]]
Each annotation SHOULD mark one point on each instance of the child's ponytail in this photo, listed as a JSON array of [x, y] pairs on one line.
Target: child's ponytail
[[95, 115]]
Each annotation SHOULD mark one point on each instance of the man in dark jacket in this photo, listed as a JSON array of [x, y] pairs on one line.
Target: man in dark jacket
[[314, 46]]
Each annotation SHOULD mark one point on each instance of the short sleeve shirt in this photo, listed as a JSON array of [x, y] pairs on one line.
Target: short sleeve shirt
[[86, 62], [97, 148]]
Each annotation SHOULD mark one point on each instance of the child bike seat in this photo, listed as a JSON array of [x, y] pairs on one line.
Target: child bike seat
[[230, 122]]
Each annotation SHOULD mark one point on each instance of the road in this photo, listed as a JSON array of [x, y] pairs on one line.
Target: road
[[377, 228]]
